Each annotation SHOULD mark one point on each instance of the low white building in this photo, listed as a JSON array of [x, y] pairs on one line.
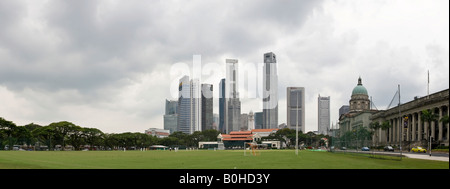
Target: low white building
[[160, 133]]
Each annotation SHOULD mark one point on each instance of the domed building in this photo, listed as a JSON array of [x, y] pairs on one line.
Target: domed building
[[360, 98], [359, 113]]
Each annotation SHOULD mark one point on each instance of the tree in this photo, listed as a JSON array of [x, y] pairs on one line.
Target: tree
[[7, 129], [210, 135], [444, 119], [374, 126], [75, 136], [44, 135], [60, 131], [429, 117], [93, 137]]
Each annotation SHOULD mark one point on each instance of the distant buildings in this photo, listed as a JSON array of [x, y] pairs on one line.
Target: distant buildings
[[189, 105], [160, 133], [258, 120], [295, 108], [171, 116], [323, 107], [233, 104], [222, 106], [270, 91], [207, 107], [344, 109]]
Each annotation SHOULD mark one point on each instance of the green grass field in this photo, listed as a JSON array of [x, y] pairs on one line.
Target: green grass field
[[203, 159]]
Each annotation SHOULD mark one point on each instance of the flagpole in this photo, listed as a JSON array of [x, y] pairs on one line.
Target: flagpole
[[296, 129], [428, 84], [400, 122]]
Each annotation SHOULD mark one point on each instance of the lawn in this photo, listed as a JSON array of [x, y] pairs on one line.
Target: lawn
[[203, 159]]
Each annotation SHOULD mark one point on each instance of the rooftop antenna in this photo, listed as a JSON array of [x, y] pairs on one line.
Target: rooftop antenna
[[428, 84]]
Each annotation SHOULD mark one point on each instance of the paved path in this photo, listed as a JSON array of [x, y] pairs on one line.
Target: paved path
[[427, 157], [434, 156]]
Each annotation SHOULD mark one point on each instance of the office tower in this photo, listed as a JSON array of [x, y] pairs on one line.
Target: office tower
[[258, 120], [222, 109], [216, 122], [270, 91], [189, 105], [171, 116], [343, 110], [233, 104], [323, 114], [296, 108], [196, 100], [251, 121], [207, 107], [244, 122]]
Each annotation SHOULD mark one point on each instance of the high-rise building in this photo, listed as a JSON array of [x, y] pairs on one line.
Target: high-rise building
[[233, 104], [222, 105], [196, 100], [343, 110], [296, 108], [171, 116], [215, 122], [244, 122], [258, 120], [189, 105], [207, 106], [251, 121], [270, 91], [323, 114]]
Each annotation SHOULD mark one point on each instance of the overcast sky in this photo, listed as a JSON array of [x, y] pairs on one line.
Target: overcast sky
[[107, 64]]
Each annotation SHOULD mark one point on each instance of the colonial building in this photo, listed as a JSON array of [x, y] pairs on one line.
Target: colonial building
[[413, 131], [360, 112]]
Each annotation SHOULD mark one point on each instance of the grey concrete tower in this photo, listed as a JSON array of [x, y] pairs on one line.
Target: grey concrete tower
[[233, 104], [270, 91]]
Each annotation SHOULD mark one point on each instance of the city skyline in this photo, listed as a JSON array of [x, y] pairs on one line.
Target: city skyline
[[108, 64]]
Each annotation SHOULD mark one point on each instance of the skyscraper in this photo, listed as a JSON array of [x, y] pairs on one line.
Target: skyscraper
[[323, 114], [207, 106], [233, 104], [222, 105], [171, 116], [189, 105], [196, 100], [296, 108], [270, 91]]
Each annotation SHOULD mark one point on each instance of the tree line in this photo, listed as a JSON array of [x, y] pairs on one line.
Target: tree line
[[58, 135], [288, 137]]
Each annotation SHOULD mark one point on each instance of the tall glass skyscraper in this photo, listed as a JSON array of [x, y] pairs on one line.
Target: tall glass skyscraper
[[207, 106], [171, 116], [233, 104], [270, 91], [222, 106], [323, 114], [189, 105], [296, 108]]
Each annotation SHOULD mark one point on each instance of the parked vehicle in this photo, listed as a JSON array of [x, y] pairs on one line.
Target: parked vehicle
[[388, 148], [365, 148], [419, 149]]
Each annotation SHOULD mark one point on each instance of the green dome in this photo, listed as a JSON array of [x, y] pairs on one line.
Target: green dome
[[359, 89]]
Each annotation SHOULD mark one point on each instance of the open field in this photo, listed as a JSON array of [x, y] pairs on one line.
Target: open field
[[203, 159]]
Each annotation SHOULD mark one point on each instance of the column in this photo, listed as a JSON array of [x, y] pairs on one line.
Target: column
[[419, 125], [447, 125], [440, 124], [413, 127], [408, 131]]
